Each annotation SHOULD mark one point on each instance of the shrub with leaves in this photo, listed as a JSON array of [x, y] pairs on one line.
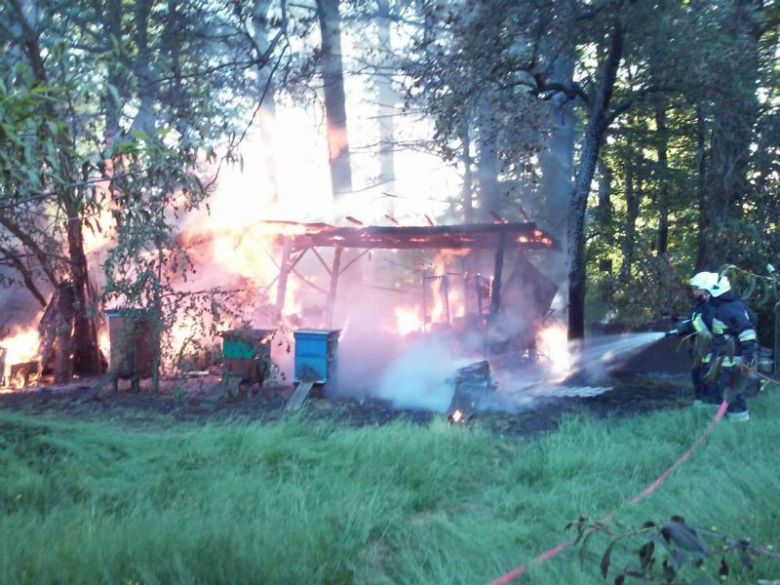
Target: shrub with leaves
[[149, 268], [762, 293], [670, 551]]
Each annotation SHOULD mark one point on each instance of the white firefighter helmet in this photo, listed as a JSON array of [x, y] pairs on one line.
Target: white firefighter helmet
[[704, 280], [721, 286]]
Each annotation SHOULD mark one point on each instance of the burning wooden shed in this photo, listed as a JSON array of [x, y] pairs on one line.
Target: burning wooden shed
[[296, 240]]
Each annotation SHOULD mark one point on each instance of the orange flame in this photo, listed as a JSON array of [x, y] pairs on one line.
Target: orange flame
[[452, 296], [21, 346], [408, 320], [554, 345], [439, 299], [104, 343]]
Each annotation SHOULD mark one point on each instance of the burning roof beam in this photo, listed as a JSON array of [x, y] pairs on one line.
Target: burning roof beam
[[454, 237]]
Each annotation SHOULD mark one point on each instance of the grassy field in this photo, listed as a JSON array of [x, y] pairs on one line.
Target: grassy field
[[304, 502]]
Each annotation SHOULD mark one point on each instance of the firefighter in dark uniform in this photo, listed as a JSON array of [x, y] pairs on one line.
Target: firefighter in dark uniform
[[735, 346], [704, 396]]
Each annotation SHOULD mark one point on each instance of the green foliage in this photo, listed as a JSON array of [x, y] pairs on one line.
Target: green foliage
[[762, 294], [111, 119], [654, 289], [149, 267], [471, 71], [673, 551]]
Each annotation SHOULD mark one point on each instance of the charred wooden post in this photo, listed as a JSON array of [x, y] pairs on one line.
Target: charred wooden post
[[495, 298], [495, 291], [472, 383], [335, 272], [446, 293], [482, 292], [284, 273]]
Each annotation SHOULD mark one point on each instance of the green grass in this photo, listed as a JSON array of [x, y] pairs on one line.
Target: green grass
[[303, 502]]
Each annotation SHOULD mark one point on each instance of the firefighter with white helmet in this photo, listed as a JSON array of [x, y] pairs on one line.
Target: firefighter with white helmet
[[704, 396], [735, 345]]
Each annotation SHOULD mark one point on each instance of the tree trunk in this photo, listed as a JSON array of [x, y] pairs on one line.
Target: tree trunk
[[488, 163], [335, 99], [703, 253], [111, 104], [86, 355], [556, 160], [268, 103], [332, 72], [145, 118], [467, 192], [633, 197], [604, 214], [73, 304], [388, 98], [735, 112], [663, 180], [595, 131], [63, 363]]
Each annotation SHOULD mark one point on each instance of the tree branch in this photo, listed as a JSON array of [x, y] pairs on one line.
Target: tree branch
[[634, 97], [25, 239], [26, 274], [570, 90]]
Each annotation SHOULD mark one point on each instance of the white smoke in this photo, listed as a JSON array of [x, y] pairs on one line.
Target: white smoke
[[420, 378]]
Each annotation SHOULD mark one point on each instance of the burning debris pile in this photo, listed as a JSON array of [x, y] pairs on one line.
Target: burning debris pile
[[471, 385], [19, 365]]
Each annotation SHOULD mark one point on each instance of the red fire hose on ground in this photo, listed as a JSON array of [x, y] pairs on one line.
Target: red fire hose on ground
[[515, 573]]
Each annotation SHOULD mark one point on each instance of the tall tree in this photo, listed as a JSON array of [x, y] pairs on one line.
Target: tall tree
[[48, 141], [599, 117], [114, 104], [556, 160], [733, 36], [332, 70], [388, 99]]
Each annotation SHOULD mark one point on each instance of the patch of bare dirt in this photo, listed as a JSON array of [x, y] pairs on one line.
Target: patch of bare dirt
[[204, 399]]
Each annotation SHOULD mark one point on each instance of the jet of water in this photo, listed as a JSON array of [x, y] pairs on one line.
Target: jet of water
[[523, 387], [596, 358]]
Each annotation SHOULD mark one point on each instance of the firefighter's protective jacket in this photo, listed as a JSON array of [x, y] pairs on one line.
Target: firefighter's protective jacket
[[732, 321], [696, 322]]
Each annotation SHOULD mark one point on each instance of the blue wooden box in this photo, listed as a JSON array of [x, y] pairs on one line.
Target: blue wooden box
[[316, 355]]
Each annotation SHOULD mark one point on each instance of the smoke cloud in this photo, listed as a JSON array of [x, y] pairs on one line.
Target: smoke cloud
[[421, 376]]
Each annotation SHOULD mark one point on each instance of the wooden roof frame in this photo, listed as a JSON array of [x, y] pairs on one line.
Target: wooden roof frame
[[301, 236], [296, 239]]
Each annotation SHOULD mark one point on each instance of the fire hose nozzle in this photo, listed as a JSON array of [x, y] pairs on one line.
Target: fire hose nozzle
[[672, 333]]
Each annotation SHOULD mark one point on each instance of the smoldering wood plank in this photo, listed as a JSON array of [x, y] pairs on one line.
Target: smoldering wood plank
[[301, 393]]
